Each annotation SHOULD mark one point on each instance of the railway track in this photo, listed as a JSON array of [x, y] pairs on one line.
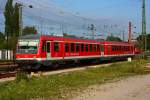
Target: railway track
[[8, 65], [50, 71], [7, 69], [7, 75]]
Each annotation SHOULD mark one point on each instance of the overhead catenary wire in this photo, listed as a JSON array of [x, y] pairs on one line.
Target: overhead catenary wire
[[59, 12]]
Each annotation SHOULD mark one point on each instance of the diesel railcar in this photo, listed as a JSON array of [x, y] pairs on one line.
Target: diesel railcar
[[35, 51]]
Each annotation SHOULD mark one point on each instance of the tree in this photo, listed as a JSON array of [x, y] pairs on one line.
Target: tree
[[16, 20], [148, 41], [139, 39], [29, 30], [11, 14], [112, 38], [8, 13], [2, 40]]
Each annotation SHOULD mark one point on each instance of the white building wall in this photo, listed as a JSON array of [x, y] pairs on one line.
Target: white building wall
[[3, 55], [0, 54]]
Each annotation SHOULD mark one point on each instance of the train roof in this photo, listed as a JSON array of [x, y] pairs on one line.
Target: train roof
[[71, 39], [30, 37], [114, 42]]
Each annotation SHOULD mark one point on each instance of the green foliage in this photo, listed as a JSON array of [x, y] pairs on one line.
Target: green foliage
[[61, 86], [139, 39], [16, 20], [29, 30], [148, 41], [21, 76], [2, 40], [112, 38], [9, 14]]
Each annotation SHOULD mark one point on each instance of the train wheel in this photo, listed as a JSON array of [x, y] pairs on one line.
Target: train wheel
[[36, 67], [24, 67], [55, 65], [77, 63]]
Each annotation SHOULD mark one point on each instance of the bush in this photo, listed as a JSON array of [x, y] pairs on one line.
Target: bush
[[21, 76]]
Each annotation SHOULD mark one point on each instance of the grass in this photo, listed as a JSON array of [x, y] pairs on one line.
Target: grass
[[62, 86]]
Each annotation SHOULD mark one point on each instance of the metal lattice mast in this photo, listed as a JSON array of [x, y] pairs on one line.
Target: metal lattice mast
[[144, 40]]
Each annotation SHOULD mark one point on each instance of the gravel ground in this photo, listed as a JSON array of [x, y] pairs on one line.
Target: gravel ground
[[133, 88], [7, 79]]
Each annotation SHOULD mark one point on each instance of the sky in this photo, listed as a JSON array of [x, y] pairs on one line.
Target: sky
[[118, 10], [109, 16]]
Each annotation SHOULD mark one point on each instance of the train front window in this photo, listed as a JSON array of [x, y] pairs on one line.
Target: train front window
[[27, 46]]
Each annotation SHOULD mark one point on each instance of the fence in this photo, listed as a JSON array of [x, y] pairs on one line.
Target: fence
[[6, 55]]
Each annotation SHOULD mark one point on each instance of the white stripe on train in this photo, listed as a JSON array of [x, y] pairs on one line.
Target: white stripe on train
[[74, 57]]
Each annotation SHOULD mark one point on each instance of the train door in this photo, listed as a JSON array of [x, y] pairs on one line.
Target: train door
[[102, 50], [48, 50]]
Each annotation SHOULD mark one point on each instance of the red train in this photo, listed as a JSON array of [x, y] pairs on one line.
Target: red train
[[46, 50]]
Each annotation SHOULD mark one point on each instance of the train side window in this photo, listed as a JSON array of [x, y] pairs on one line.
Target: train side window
[[113, 48], [124, 48], [102, 48], [98, 48], [82, 47], [66, 47], [94, 47], [72, 47], [77, 47], [56, 46], [119, 48], [48, 47], [91, 48], [109, 49], [44, 46], [86, 47]]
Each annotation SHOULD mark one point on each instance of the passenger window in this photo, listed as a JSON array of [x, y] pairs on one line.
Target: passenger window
[[86, 47], [82, 47], [44, 46], [94, 48], [122, 48], [72, 47], [48, 47], [119, 48], [77, 47], [109, 49], [98, 48], [91, 48], [56, 46], [102, 48], [66, 47]]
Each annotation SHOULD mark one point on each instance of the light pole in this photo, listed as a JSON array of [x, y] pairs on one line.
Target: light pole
[[20, 5], [20, 19]]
